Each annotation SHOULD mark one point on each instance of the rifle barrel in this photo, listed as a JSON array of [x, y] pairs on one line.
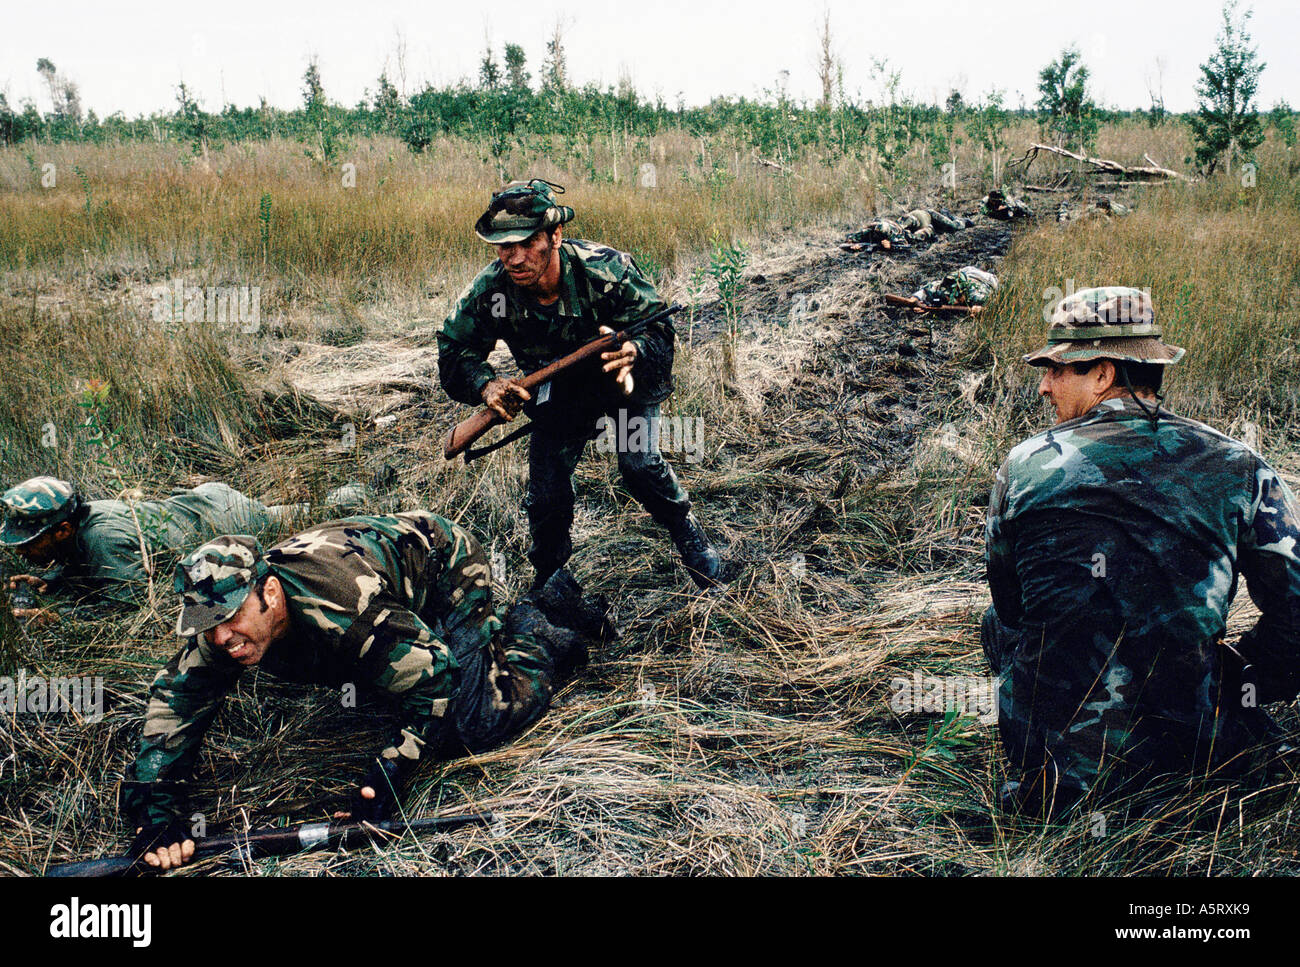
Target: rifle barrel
[[278, 842]]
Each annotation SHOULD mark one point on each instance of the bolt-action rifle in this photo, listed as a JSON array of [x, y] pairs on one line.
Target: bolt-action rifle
[[918, 306], [278, 842], [464, 433]]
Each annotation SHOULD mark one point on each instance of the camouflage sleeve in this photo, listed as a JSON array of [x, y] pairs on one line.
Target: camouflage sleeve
[[636, 298], [999, 555], [403, 656], [183, 700], [1269, 558], [466, 339]]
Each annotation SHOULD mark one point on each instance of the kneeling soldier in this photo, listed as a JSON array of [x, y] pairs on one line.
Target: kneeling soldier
[[402, 602]]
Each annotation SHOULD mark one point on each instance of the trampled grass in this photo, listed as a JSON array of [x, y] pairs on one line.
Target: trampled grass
[[749, 732]]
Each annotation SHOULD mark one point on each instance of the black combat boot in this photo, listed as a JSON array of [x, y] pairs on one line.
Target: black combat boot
[[699, 558], [563, 602], [567, 649]]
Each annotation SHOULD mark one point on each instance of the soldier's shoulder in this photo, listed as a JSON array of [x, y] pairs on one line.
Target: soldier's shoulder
[[105, 518], [597, 259], [338, 539], [1031, 447], [1207, 433], [1057, 448], [489, 279]]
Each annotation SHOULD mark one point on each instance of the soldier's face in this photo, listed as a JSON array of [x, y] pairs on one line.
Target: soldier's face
[[527, 261], [1074, 394], [44, 550], [253, 628]]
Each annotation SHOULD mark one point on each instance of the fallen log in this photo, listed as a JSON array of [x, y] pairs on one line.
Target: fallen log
[[1149, 171]]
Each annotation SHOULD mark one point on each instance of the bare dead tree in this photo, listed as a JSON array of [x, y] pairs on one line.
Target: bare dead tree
[[826, 60]]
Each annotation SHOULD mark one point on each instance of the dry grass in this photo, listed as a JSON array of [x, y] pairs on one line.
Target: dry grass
[[743, 733], [1221, 262]]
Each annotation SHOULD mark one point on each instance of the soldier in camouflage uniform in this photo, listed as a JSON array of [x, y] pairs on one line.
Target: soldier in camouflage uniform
[[967, 286], [886, 233], [923, 224], [1115, 543], [546, 296], [403, 603], [998, 204], [97, 544], [1103, 207]]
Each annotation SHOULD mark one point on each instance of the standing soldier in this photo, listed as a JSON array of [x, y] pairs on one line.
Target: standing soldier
[[402, 603], [545, 296]]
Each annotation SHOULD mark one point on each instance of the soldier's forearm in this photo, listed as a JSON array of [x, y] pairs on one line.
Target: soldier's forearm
[[150, 803], [464, 383]]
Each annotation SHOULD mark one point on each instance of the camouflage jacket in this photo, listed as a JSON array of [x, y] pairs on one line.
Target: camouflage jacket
[[107, 541], [880, 230], [1004, 207], [382, 601], [967, 286], [599, 286], [1114, 550]]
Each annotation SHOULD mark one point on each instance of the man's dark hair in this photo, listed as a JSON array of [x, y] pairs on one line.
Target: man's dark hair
[[80, 512], [1147, 376]]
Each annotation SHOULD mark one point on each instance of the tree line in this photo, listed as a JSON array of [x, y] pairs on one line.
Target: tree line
[[503, 107]]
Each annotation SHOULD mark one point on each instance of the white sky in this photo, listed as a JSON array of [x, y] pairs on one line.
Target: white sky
[[129, 56]]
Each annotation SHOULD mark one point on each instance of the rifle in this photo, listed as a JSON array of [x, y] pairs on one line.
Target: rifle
[[276, 842], [460, 436], [918, 306]]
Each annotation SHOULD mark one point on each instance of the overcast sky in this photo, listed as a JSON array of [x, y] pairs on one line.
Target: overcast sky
[[129, 56]]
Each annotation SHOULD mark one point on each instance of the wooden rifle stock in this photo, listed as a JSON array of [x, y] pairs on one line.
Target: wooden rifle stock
[[461, 436], [276, 842]]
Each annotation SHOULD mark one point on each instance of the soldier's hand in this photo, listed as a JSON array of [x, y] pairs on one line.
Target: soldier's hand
[[620, 362], [166, 847], [40, 617], [367, 793], [31, 580], [505, 397]]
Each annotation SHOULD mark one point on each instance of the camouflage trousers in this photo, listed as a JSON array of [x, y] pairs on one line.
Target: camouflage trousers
[[507, 685], [552, 458]]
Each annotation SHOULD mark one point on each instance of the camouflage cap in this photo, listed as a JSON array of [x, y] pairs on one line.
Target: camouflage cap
[[520, 209], [1109, 322], [214, 581], [34, 506]]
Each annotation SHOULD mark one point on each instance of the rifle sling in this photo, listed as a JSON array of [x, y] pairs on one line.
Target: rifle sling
[[473, 453]]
